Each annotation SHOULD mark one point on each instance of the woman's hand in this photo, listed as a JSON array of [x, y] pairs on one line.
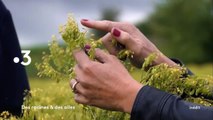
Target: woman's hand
[[104, 83], [129, 36]]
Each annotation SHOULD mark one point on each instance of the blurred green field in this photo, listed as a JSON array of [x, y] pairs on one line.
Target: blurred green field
[[46, 92], [200, 70], [205, 69]]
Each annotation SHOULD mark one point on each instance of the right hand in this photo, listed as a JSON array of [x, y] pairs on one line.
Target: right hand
[[129, 36], [101, 86]]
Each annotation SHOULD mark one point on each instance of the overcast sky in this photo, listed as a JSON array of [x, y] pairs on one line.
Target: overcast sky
[[37, 20]]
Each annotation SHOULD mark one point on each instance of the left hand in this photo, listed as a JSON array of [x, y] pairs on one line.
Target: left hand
[[131, 38], [104, 83]]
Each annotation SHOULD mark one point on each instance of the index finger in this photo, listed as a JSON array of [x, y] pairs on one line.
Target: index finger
[[81, 58], [104, 25]]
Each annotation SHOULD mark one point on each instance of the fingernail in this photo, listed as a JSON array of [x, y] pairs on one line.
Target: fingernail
[[85, 20], [87, 46], [116, 32], [86, 49]]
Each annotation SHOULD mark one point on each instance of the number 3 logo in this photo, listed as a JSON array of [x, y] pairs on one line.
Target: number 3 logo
[[26, 55]]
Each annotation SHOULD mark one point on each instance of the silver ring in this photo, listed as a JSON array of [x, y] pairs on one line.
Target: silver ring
[[74, 86]]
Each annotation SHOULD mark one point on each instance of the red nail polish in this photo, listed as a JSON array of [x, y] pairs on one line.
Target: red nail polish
[[85, 20], [86, 49], [87, 46], [116, 32]]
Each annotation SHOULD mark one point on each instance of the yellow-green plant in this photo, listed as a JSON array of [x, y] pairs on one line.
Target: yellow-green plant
[[59, 63]]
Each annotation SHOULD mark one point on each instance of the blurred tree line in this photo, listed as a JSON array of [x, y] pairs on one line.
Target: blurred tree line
[[111, 14], [181, 29]]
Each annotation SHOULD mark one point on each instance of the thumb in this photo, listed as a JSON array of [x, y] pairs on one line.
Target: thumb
[[121, 36], [101, 56]]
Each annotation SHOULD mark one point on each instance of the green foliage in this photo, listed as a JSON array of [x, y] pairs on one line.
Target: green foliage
[[58, 65], [182, 29], [192, 88], [62, 96], [36, 55]]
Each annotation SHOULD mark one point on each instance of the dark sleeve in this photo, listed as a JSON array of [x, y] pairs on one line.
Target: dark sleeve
[[153, 104], [177, 61], [13, 78]]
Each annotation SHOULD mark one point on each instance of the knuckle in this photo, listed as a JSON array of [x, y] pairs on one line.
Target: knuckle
[[84, 102], [82, 82], [127, 36], [77, 100], [87, 67], [108, 24], [83, 92], [104, 40], [113, 57], [88, 102], [128, 24], [113, 52], [106, 21]]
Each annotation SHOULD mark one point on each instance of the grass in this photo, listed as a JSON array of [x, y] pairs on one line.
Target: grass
[[47, 93], [200, 70]]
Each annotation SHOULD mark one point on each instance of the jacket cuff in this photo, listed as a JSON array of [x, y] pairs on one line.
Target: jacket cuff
[[149, 104], [188, 72]]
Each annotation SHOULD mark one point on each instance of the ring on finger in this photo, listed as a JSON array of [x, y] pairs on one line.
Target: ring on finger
[[74, 86]]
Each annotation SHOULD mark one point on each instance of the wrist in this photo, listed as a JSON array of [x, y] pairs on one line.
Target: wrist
[[161, 58], [130, 95]]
